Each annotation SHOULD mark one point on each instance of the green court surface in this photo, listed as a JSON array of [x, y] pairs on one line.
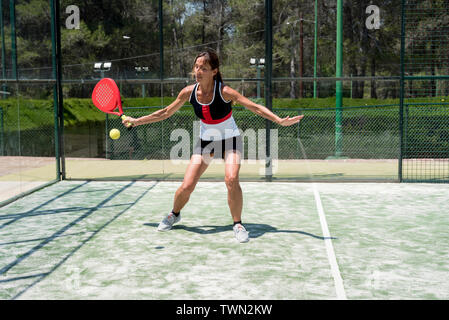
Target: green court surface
[[98, 240]]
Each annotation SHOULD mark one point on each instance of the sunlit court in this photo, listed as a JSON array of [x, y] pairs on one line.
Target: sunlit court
[[99, 240], [224, 151]]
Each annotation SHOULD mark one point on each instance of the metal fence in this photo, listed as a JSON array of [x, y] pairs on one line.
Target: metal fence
[[424, 70], [369, 133], [390, 127]]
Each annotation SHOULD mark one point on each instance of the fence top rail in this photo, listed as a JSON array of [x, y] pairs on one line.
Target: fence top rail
[[20, 81], [394, 106], [188, 80], [239, 108]]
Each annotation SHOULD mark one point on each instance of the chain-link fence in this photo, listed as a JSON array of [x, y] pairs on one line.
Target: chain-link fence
[[306, 151], [27, 142], [369, 133], [395, 87], [27, 125], [425, 68]]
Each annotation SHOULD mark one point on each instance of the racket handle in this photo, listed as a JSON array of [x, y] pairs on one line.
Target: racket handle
[[128, 126]]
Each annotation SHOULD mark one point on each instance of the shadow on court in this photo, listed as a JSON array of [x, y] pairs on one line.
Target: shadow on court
[[83, 213], [255, 230]]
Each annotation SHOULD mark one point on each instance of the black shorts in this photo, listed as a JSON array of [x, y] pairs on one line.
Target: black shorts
[[218, 148]]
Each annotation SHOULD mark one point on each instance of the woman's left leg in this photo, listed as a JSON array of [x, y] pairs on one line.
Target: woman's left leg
[[235, 196]]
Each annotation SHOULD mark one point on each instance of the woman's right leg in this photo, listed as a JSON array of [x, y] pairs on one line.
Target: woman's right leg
[[195, 169]]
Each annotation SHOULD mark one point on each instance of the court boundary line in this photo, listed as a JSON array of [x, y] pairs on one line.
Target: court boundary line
[[27, 193], [335, 270]]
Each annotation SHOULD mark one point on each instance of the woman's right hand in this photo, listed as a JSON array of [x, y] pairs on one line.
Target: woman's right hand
[[129, 121]]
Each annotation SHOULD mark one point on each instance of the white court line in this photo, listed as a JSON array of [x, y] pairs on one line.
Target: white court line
[[341, 294]]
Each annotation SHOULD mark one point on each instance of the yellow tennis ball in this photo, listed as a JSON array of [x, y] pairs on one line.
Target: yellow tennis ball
[[114, 134]]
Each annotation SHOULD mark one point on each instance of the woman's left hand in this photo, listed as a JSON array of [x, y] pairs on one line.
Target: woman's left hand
[[287, 121]]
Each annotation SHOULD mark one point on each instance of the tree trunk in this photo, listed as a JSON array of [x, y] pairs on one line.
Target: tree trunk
[[301, 57], [220, 27], [373, 74], [433, 84], [203, 28], [292, 64]]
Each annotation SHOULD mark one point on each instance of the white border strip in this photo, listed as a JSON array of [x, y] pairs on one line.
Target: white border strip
[[340, 289]]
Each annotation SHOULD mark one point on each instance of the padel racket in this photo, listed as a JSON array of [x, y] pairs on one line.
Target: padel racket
[[106, 97]]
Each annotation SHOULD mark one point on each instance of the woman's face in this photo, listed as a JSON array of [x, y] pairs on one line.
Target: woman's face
[[203, 71]]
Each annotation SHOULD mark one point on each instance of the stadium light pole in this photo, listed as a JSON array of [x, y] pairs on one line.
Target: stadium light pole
[[258, 64], [142, 71], [102, 67]]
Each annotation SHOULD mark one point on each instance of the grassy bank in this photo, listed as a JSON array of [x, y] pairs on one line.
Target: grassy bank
[[38, 113]]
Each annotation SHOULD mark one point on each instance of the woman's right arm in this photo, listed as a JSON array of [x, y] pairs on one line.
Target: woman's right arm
[[164, 113]]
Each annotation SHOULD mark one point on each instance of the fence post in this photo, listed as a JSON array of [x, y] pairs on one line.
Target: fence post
[[401, 93], [339, 84], [106, 128], [55, 91], [4, 87], [2, 137], [268, 84], [12, 10], [57, 88]]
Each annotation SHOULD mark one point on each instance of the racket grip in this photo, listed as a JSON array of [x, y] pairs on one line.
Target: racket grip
[[128, 126]]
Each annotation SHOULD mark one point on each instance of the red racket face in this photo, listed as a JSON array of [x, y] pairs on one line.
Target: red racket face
[[106, 96]]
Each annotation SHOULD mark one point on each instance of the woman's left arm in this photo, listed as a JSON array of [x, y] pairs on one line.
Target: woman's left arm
[[231, 94]]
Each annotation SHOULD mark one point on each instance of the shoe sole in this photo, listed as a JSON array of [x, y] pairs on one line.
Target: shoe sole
[[162, 230], [242, 241]]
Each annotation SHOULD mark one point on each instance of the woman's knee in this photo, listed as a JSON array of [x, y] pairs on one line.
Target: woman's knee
[[187, 187], [232, 181]]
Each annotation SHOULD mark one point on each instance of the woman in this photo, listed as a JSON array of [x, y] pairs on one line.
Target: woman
[[212, 102]]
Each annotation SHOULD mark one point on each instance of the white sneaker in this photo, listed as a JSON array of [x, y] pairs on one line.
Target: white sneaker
[[240, 233], [168, 222]]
